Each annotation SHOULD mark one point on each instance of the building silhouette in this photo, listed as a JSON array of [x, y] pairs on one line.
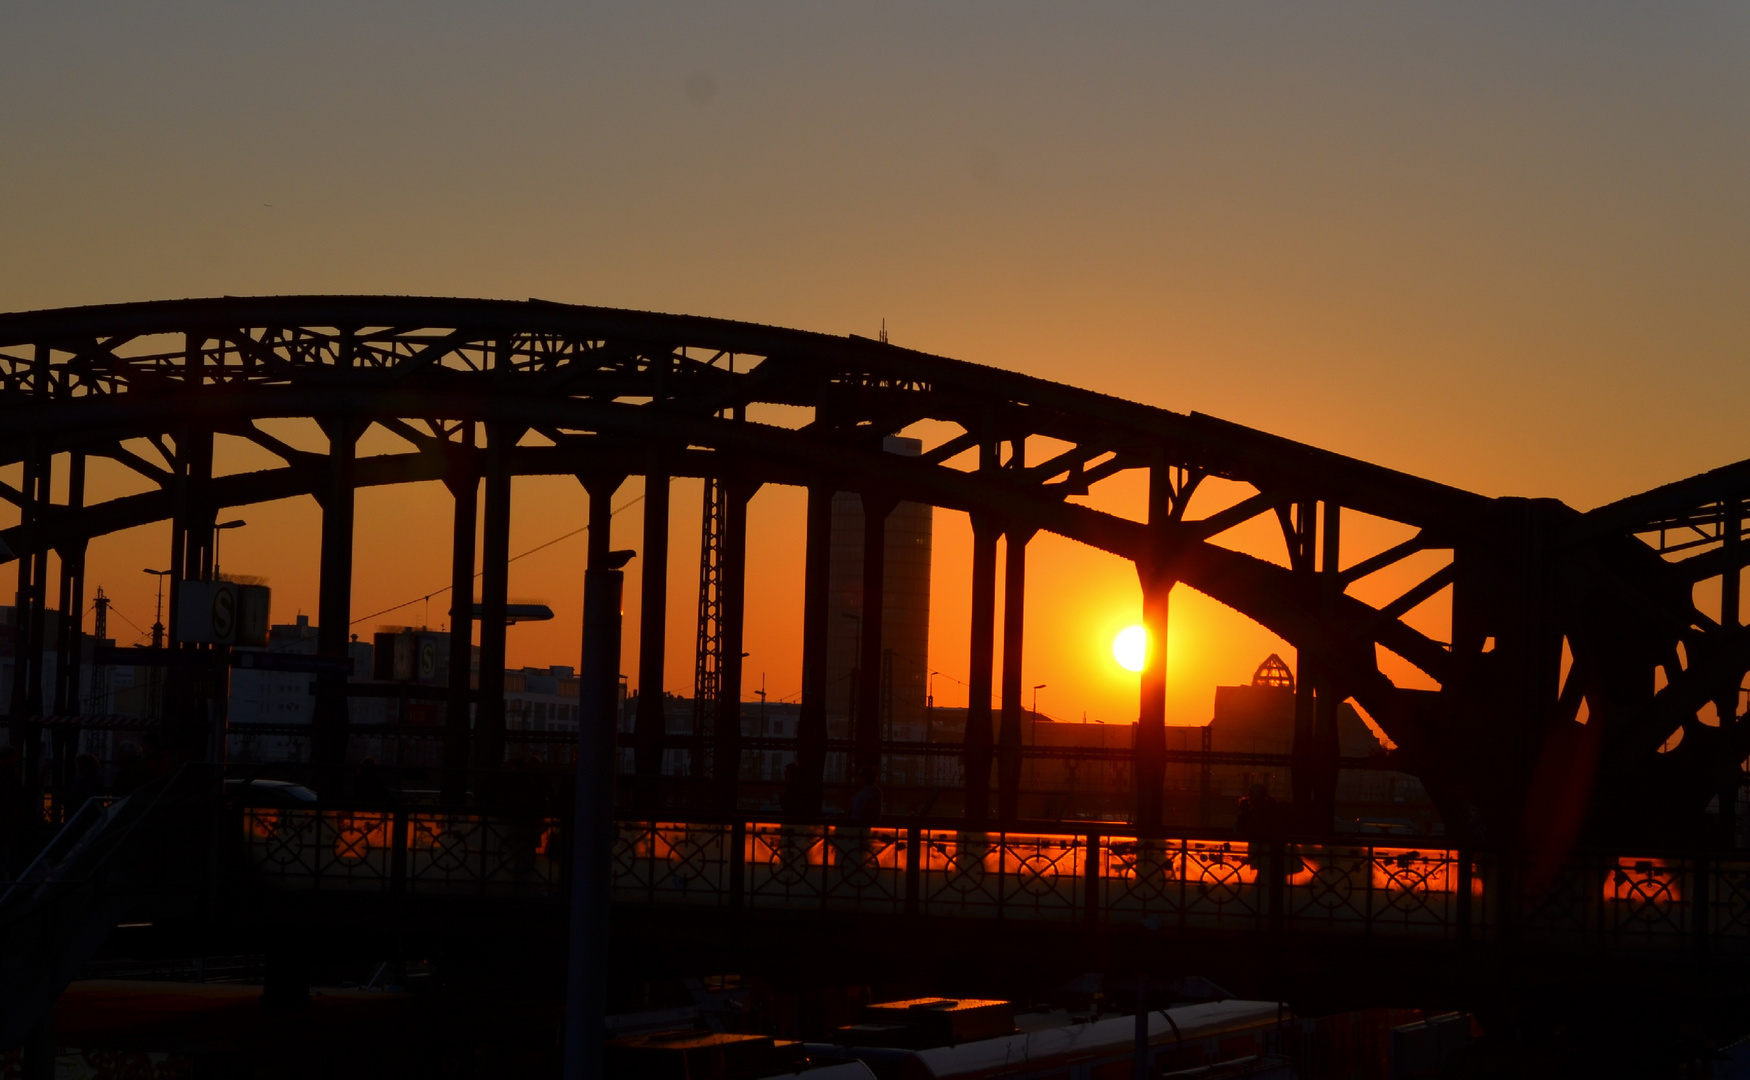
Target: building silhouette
[[905, 613]]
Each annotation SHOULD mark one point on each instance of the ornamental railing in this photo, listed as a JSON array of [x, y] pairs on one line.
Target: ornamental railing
[[1390, 888]]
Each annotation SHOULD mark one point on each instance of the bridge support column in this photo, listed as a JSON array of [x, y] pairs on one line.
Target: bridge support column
[[464, 484], [1326, 751], [601, 488], [593, 833], [27, 649], [876, 507], [187, 705], [726, 754], [978, 744], [193, 718], [651, 728], [1151, 728], [1726, 705], [334, 596], [1014, 624], [1155, 573], [1303, 777], [72, 597], [816, 609], [69, 642], [170, 690], [494, 584]]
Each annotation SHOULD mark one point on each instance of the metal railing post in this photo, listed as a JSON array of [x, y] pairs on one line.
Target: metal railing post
[[737, 862], [1701, 908], [398, 852], [1091, 879], [1462, 903], [1274, 866], [914, 862]]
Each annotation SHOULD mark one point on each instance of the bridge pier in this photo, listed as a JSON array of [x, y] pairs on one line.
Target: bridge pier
[[876, 507], [68, 641], [1726, 705], [1014, 625], [72, 599], [978, 746], [463, 481], [334, 597], [1155, 572], [193, 722], [199, 716], [1301, 531], [31, 596], [816, 613], [1326, 749], [494, 583], [651, 726]]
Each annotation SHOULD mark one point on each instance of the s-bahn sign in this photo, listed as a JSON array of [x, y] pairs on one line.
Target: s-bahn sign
[[222, 613]]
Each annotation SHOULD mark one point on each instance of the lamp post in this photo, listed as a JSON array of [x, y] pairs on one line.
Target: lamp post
[[593, 835], [1036, 690], [217, 530], [154, 688], [158, 608]]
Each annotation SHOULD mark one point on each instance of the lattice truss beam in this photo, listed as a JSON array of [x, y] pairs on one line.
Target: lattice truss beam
[[1590, 616]]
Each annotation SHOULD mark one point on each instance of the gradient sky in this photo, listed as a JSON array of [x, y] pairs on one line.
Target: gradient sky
[[1504, 246]]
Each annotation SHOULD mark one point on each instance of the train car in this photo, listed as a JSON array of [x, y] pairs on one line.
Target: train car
[[1183, 1039]]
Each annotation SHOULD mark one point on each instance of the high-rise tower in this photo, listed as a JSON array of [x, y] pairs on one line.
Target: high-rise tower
[[905, 614]]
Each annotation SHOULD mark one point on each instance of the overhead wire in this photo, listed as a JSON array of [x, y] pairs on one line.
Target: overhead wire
[[116, 611], [479, 573]]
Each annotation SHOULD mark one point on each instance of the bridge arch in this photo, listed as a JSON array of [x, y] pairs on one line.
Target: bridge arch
[[614, 393]]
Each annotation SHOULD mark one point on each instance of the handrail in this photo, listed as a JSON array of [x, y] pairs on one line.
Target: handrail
[[1409, 888], [73, 832], [165, 785]]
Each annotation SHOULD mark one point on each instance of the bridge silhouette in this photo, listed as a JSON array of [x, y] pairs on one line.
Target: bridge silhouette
[[1576, 651]]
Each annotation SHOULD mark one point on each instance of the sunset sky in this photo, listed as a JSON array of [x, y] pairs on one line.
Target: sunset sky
[[1502, 246]]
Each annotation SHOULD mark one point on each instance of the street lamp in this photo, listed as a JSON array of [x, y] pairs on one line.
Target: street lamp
[[217, 529], [158, 609], [1036, 690]]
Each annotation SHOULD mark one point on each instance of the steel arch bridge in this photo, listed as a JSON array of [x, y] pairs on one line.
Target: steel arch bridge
[[1576, 647]]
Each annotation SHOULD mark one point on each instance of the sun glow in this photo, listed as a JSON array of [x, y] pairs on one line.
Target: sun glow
[[1130, 648]]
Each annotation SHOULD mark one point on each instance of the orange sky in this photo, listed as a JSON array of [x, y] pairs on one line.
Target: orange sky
[[1505, 249]]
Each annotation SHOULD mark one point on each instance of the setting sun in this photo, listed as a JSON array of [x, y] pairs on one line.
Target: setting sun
[[1130, 648]]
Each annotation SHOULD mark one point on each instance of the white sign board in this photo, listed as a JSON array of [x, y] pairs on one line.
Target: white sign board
[[221, 613]]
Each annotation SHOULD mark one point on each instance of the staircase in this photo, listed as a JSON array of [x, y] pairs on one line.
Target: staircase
[[154, 852]]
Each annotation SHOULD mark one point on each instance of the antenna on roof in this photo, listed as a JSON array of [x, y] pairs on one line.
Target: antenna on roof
[[884, 330]]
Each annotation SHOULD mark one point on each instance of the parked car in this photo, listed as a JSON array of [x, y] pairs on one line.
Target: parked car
[[280, 794]]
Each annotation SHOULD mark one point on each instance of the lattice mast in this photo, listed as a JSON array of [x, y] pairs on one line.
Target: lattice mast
[[100, 672], [708, 656]]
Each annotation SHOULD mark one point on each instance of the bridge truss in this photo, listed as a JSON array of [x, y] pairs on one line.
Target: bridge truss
[[1576, 651]]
